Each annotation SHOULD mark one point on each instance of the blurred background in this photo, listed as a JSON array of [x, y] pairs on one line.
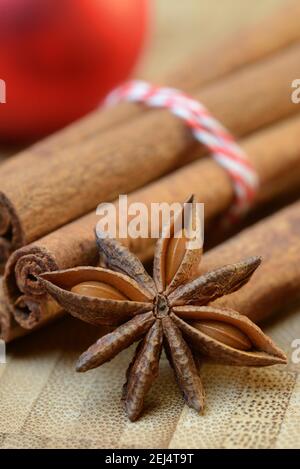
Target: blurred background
[[59, 58], [180, 28]]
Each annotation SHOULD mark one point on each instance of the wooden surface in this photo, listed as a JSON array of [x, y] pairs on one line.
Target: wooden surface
[[44, 403]]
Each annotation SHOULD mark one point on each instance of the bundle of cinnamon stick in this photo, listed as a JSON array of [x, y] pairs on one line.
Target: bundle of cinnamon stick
[[112, 152], [276, 283]]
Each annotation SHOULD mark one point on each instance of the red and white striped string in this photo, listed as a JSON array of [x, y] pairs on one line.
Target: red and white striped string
[[205, 128]]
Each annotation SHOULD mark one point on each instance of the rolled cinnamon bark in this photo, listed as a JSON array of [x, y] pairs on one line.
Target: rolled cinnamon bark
[[277, 281], [275, 153], [9, 328], [69, 183]]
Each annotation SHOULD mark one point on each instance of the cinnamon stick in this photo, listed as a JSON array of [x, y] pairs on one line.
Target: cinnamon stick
[[9, 328], [276, 283], [69, 183], [275, 152]]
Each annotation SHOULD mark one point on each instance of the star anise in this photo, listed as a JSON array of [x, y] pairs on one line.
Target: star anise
[[172, 310]]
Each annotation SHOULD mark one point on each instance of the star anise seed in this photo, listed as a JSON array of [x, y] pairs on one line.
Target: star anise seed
[[170, 311]]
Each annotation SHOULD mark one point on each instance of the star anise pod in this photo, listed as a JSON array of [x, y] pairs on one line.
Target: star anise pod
[[172, 310]]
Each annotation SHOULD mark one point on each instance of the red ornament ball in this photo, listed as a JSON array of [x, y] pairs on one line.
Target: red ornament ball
[[59, 58]]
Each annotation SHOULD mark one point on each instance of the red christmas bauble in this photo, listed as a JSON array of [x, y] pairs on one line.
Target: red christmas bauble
[[59, 58]]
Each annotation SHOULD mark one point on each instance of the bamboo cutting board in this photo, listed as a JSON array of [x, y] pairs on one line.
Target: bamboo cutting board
[[45, 404]]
